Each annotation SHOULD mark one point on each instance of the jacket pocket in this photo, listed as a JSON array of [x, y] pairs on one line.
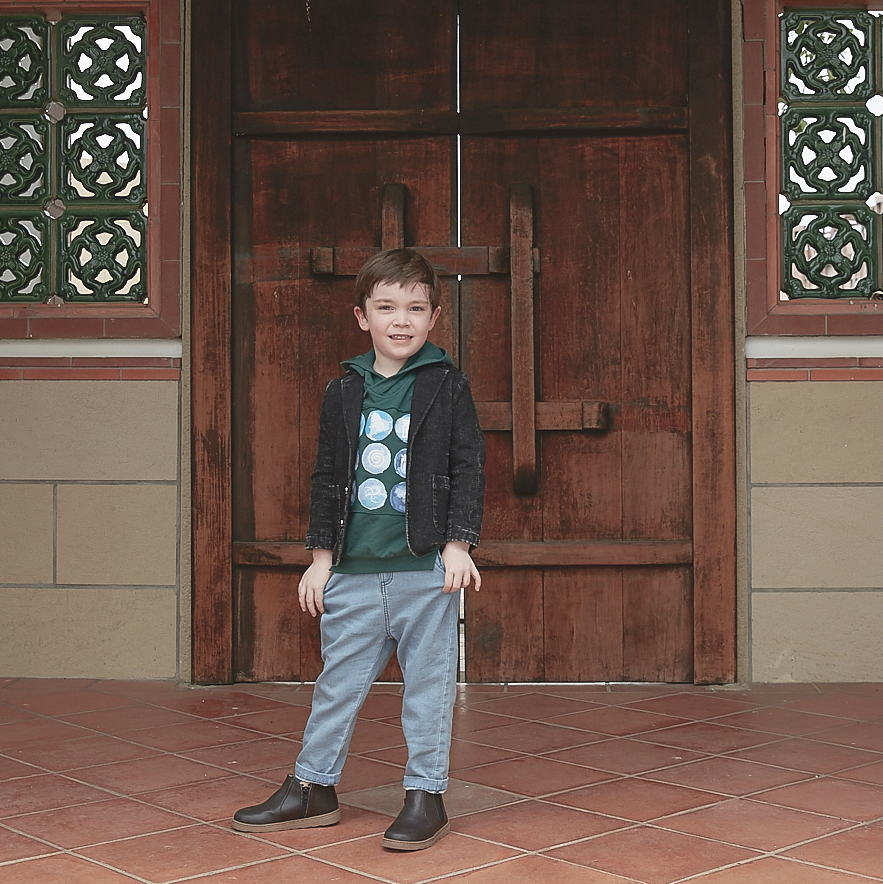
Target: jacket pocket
[[441, 493]]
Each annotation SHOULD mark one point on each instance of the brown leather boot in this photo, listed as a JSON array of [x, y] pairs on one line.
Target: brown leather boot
[[420, 823], [294, 805]]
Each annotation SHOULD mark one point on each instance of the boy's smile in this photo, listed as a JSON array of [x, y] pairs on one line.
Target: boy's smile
[[399, 319]]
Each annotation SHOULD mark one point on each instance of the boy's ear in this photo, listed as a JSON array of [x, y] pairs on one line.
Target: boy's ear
[[363, 320], [435, 315]]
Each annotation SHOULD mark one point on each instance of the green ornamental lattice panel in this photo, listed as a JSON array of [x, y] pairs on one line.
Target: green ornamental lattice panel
[[102, 62], [830, 163], [24, 159], [24, 255], [827, 55], [103, 158], [24, 61], [73, 158], [828, 251], [102, 256], [828, 154]]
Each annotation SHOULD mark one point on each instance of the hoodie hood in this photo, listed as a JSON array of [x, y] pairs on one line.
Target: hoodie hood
[[393, 392], [428, 354]]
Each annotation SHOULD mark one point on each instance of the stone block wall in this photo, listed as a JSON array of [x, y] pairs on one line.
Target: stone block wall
[[89, 517], [815, 511]]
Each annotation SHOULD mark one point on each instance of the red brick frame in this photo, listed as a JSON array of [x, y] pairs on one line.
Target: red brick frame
[[766, 315], [161, 316]]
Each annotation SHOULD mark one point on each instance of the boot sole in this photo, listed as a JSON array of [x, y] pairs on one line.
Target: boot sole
[[395, 844], [310, 822]]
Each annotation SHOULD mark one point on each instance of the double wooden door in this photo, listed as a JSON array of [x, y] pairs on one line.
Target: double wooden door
[[566, 167]]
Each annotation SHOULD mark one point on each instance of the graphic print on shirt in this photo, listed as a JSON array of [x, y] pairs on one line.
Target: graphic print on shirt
[[381, 463]]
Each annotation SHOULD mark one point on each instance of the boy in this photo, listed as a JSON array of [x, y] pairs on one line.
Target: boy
[[390, 554]]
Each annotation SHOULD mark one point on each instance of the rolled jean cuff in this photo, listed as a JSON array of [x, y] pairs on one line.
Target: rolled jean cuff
[[425, 785], [305, 775]]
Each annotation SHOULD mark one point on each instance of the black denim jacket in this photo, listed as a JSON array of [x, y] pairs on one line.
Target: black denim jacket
[[445, 485]]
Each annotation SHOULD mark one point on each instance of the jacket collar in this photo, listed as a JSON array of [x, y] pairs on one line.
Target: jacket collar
[[427, 383], [352, 389]]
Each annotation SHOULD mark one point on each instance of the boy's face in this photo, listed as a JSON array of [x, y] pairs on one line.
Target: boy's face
[[400, 319]]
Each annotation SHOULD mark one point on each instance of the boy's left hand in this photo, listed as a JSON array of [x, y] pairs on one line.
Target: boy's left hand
[[460, 570]]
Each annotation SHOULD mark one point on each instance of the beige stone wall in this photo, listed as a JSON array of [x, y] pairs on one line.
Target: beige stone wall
[[815, 510], [89, 516]]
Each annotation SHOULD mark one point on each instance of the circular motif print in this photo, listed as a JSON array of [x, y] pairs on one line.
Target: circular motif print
[[376, 458], [378, 425], [403, 425], [372, 494], [401, 462], [397, 497]]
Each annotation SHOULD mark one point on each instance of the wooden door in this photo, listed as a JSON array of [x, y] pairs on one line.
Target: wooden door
[[586, 173]]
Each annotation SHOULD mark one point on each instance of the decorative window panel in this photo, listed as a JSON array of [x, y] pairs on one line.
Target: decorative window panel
[[830, 164], [73, 167]]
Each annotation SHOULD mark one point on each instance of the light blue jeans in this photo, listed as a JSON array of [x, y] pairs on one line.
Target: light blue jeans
[[368, 617]]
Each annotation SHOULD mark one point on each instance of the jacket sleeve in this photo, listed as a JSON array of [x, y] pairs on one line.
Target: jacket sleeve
[[324, 493], [466, 464]]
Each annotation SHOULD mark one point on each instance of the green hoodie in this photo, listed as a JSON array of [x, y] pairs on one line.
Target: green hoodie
[[375, 538]]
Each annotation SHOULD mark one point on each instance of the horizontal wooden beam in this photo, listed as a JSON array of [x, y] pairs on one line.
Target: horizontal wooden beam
[[599, 553], [282, 553], [585, 119], [275, 123], [505, 553], [447, 260], [468, 122], [630, 417], [564, 415]]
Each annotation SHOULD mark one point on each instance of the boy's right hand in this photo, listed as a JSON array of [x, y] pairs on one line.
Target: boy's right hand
[[311, 589]]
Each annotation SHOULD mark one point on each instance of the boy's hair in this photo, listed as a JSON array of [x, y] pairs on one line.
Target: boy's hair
[[401, 267]]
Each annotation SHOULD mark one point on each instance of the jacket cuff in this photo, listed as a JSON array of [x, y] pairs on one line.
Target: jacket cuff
[[464, 535], [319, 541]]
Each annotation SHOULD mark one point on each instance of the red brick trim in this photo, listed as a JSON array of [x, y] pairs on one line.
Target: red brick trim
[[80, 369], [766, 314], [840, 369], [161, 316]]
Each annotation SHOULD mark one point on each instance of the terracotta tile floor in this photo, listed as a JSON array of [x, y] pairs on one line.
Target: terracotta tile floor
[[110, 782]]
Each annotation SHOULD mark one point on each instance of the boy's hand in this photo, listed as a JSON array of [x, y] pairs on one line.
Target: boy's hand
[[311, 589], [460, 570]]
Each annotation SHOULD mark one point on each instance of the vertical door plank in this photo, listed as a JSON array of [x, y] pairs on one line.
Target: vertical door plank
[[521, 53], [267, 413], [521, 313], [345, 55], [652, 46], [504, 622], [243, 347], [714, 458], [656, 475], [658, 626], [579, 232], [212, 608], [489, 167], [267, 614], [504, 634], [583, 624], [655, 282]]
